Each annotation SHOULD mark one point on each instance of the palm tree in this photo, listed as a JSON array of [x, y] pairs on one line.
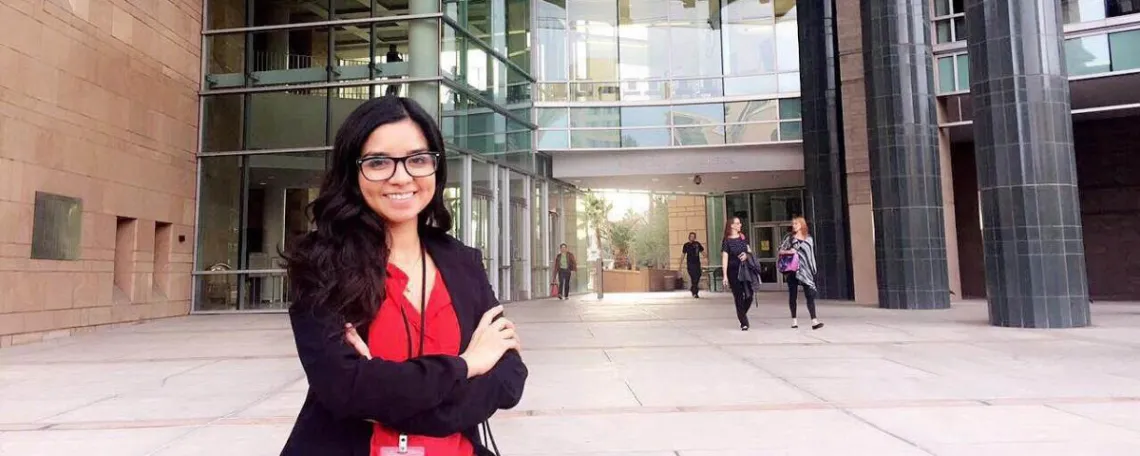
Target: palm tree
[[597, 211]]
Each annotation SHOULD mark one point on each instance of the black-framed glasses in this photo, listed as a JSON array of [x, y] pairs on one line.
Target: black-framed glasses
[[378, 168]]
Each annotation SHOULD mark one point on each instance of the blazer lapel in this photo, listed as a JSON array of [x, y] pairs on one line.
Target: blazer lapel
[[448, 257]]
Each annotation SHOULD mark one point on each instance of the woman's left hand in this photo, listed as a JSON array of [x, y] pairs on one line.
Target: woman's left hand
[[743, 257], [353, 338]]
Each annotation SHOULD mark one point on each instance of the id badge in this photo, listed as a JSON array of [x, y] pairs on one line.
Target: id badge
[[402, 449]]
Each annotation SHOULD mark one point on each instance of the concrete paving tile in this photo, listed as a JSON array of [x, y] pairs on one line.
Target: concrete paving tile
[[1086, 448], [576, 388], [998, 424], [226, 440], [839, 368], [1122, 414], [116, 442], [142, 407]]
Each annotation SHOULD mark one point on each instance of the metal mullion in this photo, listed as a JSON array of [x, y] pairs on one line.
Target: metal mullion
[[314, 86], [487, 48]]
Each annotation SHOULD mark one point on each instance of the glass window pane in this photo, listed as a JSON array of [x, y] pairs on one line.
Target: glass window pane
[[700, 114], [644, 90], [552, 117], [751, 111], [749, 48], [960, 28], [553, 92], [591, 139], [1075, 11], [352, 54], [789, 82], [343, 101], [1123, 7], [787, 46], [643, 34], [763, 132], [645, 137], [687, 89], [593, 40], [963, 72], [958, 6], [595, 117], [219, 207], [791, 131], [942, 28], [946, 74], [941, 7], [645, 116], [699, 136], [222, 123], [518, 32], [1125, 48], [751, 85], [453, 193], [744, 10], [595, 91], [226, 60], [290, 56], [1088, 55], [551, 43], [790, 108], [553, 139], [694, 44], [279, 120]]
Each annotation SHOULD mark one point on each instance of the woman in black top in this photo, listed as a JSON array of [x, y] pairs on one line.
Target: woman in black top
[[380, 205], [692, 252], [734, 252]]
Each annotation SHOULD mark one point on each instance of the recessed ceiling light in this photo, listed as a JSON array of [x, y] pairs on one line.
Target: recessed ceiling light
[[735, 177], [577, 181], [680, 186]]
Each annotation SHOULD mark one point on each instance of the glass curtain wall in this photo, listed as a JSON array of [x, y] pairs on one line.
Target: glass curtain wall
[[665, 73], [279, 77]]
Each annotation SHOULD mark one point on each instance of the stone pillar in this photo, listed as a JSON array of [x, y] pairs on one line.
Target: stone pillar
[[823, 148], [423, 56], [1034, 247], [906, 184]]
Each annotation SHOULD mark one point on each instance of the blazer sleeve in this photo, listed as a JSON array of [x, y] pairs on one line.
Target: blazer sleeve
[[351, 387], [482, 396]]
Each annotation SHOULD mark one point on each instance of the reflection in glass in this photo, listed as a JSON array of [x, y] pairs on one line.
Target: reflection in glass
[[645, 116], [696, 88], [1075, 11], [540, 265], [644, 90], [553, 139], [592, 139], [593, 42], [453, 194], [788, 46], [790, 108], [520, 223], [1125, 50], [789, 82], [289, 57], [1087, 55], [225, 65], [751, 111], [695, 43], [553, 92], [551, 51], [751, 85], [552, 117], [699, 136], [762, 132], [791, 131], [644, 137], [595, 117], [749, 48], [963, 64], [698, 114], [482, 205], [643, 34], [946, 83]]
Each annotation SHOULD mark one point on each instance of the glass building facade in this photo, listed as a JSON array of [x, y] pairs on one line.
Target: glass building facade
[[652, 74], [280, 76]]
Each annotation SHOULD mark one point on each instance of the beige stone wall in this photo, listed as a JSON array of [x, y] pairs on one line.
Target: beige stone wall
[[687, 214], [98, 101]]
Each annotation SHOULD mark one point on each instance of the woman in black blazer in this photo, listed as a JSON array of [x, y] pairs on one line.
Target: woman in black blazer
[[380, 244]]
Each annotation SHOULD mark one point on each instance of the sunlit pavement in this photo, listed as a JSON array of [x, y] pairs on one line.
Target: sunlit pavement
[[645, 375]]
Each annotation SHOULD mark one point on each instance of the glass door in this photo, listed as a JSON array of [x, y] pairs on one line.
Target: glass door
[[765, 241]]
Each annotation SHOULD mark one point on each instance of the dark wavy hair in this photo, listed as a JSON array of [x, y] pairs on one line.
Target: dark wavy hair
[[341, 265]]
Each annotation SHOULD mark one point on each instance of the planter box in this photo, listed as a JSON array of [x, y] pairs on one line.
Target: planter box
[[645, 280]]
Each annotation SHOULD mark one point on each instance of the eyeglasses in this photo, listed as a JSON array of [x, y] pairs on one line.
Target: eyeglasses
[[379, 168]]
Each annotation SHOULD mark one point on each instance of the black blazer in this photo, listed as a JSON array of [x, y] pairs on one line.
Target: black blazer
[[430, 395]]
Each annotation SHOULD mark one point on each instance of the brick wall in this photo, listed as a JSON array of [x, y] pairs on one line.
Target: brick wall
[[98, 101], [687, 214]]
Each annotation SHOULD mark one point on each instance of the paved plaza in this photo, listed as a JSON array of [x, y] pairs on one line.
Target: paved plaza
[[639, 375]]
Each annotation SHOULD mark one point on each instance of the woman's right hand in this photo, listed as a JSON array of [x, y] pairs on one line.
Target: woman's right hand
[[724, 280], [492, 338]]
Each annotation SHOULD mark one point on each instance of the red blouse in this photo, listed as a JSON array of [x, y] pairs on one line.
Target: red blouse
[[388, 340]]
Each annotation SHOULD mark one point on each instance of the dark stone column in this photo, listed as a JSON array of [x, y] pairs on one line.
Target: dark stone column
[[1023, 129], [906, 181], [824, 173]]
